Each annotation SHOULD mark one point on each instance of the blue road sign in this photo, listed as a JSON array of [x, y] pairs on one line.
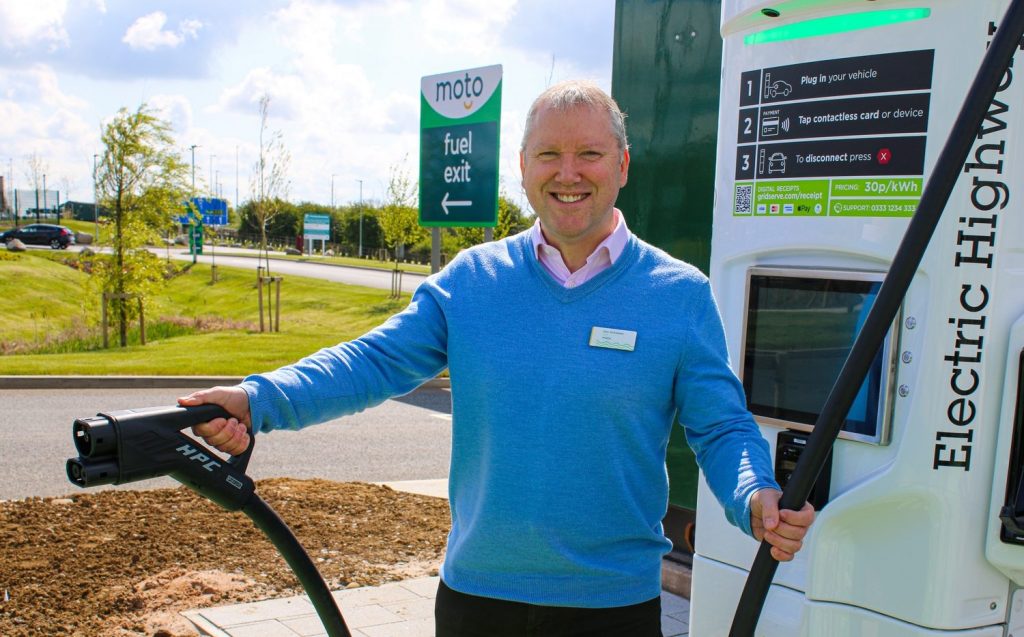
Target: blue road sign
[[214, 212]]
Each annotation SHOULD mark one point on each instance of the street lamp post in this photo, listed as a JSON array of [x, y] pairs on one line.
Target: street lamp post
[[95, 200], [212, 193], [213, 234], [193, 148], [360, 217], [332, 192], [192, 200], [10, 185], [14, 191]]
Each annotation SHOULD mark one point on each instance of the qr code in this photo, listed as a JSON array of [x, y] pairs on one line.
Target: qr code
[[744, 199]]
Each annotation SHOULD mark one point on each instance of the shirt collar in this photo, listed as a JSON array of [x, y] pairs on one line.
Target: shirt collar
[[614, 243]]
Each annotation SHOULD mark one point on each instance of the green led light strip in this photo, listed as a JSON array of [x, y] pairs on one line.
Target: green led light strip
[[836, 24]]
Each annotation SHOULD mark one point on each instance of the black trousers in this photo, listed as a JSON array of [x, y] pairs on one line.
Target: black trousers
[[460, 615]]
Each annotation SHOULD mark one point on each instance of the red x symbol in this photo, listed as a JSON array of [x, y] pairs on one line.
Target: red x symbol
[[884, 156]]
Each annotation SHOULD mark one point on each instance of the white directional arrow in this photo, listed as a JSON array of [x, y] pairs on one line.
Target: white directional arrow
[[445, 202]]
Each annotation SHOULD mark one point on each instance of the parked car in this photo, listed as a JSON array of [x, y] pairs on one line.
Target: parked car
[[41, 234]]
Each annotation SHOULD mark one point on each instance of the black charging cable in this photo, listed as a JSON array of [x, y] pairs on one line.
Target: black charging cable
[[137, 444]]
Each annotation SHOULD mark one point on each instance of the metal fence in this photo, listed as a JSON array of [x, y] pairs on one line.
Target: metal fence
[[29, 202], [283, 242]]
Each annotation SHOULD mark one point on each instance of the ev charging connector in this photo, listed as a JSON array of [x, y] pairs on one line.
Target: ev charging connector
[[138, 444]]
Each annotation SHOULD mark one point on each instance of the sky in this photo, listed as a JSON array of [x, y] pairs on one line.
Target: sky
[[343, 78]]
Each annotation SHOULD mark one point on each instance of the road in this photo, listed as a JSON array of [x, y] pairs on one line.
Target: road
[[243, 258], [367, 277], [402, 439]]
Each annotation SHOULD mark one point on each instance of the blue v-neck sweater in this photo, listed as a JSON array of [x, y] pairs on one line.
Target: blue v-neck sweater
[[557, 483]]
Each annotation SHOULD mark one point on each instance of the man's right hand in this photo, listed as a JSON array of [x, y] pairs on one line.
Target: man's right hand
[[230, 435]]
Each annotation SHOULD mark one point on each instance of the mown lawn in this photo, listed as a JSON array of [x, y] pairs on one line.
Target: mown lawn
[[88, 227], [193, 326]]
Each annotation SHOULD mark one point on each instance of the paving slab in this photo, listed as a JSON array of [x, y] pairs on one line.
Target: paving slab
[[434, 488], [397, 609], [250, 612]]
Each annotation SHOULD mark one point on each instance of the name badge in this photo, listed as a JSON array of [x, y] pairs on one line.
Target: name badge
[[612, 339]]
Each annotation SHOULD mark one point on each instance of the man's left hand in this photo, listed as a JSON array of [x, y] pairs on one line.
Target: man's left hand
[[784, 530]]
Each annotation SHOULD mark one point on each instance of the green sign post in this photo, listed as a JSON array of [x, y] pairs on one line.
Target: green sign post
[[195, 239], [460, 116]]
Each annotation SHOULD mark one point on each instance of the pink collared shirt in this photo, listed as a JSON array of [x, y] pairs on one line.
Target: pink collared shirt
[[599, 260]]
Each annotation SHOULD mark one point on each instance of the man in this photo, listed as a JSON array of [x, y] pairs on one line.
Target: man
[[571, 348]]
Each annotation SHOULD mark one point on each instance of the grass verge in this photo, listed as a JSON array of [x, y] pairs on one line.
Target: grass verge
[[105, 230], [199, 328]]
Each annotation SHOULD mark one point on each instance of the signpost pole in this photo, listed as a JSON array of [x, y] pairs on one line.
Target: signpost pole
[[360, 218], [435, 250]]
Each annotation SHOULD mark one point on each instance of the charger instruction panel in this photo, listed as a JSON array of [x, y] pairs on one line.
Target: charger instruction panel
[[834, 138]]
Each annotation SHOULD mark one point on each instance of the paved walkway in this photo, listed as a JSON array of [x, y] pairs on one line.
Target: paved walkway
[[401, 609]]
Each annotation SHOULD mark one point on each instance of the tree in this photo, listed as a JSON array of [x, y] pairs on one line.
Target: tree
[[285, 223], [35, 171], [270, 177], [143, 181], [66, 185], [345, 228], [511, 218], [399, 218]]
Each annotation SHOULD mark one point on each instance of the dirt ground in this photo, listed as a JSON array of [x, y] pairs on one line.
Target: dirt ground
[[117, 563]]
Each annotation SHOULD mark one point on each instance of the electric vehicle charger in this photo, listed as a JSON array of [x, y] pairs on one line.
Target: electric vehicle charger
[[119, 447], [998, 58]]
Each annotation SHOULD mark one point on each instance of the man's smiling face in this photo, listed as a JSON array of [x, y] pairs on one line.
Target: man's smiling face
[[572, 170]]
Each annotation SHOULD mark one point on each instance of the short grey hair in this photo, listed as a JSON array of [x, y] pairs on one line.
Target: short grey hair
[[572, 93]]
